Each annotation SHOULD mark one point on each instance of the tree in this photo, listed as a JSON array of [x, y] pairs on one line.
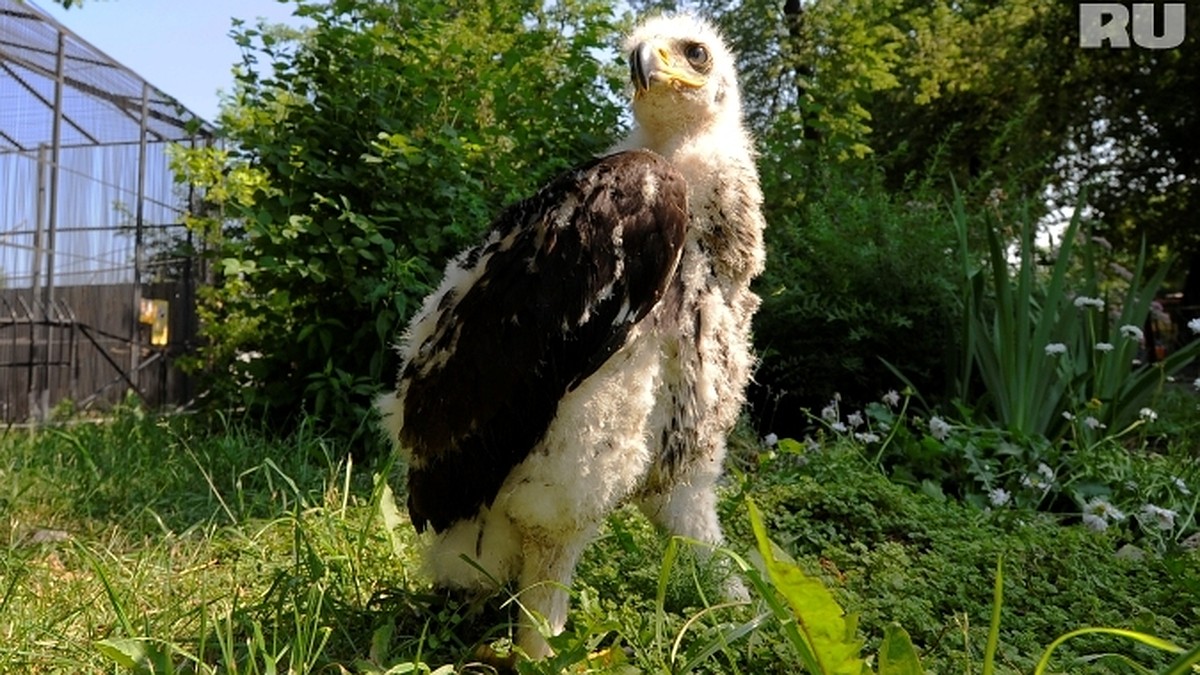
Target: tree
[[380, 142]]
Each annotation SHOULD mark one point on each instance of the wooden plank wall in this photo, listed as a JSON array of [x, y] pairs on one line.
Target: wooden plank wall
[[78, 368]]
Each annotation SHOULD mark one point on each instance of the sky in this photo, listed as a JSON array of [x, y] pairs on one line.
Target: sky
[[181, 47]]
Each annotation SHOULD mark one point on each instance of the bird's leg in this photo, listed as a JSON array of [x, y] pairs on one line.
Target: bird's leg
[[549, 564], [689, 510]]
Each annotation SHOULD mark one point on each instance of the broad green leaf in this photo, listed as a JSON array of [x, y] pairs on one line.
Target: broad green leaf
[[140, 656], [820, 620], [897, 656]]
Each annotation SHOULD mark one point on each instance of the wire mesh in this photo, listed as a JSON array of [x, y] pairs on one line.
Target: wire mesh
[[90, 215]]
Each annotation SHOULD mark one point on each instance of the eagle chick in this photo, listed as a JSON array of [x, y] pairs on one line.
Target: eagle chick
[[594, 349]]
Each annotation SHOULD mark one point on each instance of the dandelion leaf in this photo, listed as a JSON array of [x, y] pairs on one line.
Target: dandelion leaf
[[135, 655], [830, 635], [897, 656]]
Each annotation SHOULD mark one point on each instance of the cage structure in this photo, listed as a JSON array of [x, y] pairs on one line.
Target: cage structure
[[97, 271]]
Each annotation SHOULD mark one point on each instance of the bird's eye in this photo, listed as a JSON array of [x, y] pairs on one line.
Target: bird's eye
[[697, 54]]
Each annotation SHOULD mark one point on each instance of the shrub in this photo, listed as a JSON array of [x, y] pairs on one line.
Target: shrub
[[373, 148], [855, 277]]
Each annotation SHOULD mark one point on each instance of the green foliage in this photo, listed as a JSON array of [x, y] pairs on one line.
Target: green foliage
[[918, 560], [824, 635], [1053, 348], [211, 548], [855, 277], [376, 145]]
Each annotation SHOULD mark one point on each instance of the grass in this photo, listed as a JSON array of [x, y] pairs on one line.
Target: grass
[[179, 545]]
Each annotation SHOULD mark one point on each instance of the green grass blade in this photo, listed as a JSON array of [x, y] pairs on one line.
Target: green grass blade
[[660, 597], [778, 609], [993, 639], [719, 642], [1185, 663], [1144, 638], [117, 605]]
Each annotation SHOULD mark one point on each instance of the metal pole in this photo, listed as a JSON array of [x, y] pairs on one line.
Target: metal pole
[[135, 347], [55, 148], [33, 372], [39, 226], [52, 217]]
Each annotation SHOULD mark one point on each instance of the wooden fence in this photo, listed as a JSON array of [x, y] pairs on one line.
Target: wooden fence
[[88, 346]]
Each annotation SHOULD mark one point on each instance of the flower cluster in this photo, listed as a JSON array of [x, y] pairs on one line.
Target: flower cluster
[[1098, 512], [999, 497], [1041, 480], [855, 423], [1132, 332], [1156, 515], [939, 428]]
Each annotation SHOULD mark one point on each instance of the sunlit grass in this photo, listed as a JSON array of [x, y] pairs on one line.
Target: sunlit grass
[[153, 545]]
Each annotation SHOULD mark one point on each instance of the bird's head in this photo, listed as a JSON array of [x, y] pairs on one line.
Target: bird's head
[[683, 77]]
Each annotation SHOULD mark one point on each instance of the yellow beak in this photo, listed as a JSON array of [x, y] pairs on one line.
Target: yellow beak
[[652, 62]]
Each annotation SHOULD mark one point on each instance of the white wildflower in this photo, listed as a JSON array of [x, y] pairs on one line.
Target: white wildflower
[[1194, 325], [1097, 512], [1042, 480], [1132, 332], [866, 437], [892, 398], [1067, 415], [996, 196], [1164, 518], [939, 428], [1055, 348], [1093, 423], [1181, 486], [1046, 471], [830, 412], [1147, 415], [1196, 383], [1103, 347], [1084, 301], [999, 496], [838, 427], [770, 440], [854, 419]]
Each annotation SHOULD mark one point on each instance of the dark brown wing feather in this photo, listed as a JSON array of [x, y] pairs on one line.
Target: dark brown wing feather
[[591, 254]]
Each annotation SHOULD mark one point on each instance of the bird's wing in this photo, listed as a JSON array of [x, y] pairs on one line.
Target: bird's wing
[[525, 317]]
